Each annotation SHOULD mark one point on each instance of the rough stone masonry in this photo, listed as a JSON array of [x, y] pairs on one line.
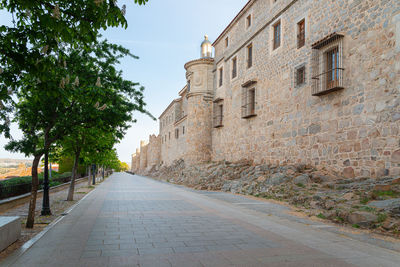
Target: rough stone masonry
[[313, 82]]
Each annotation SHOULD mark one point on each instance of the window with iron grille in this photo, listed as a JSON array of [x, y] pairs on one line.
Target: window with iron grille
[[327, 65], [218, 113], [221, 74], [250, 56], [300, 75], [248, 102], [301, 33], [176, 133], [234, 67], [277, 35]]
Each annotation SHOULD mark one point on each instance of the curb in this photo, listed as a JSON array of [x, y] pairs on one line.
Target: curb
[[28, 244], [18, 200]]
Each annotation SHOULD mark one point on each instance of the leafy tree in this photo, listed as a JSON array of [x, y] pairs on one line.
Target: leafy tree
[[41, 27], [67, 101], [124, 166]]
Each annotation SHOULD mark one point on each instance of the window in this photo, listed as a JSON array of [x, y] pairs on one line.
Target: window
[[234, 67], [300, 75], [301, 33], [188, 85], [218, 115], [221, 73], [183, 130], [248, 21], [327, 65], [332, 67], [250, 56], [165, 138], [169, 135], [176, 133], [226, 42], [277, 35], [248, 102]]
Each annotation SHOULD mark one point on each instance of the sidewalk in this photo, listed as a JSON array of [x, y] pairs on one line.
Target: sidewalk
[[130, 220]]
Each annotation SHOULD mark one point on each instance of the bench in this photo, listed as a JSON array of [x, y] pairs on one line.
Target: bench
[[10, 231]]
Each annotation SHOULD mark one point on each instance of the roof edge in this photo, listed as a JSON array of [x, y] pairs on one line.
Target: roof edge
[[244, 9]]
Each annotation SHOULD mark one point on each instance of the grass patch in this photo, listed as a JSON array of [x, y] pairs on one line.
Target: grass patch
[[382, 217], [356, 226], [366, 208], [321, 216], [389, 193], [364, 200], [300, 185], [340, 219], [80, 193]]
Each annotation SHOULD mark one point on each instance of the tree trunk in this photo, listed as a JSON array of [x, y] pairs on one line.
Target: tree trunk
[[35, 184], [73, 178]]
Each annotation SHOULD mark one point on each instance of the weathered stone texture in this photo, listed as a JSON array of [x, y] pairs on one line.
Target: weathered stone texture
[[353, 131]]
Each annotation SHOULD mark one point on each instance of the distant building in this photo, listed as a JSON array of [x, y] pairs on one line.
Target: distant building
[[293, 81]]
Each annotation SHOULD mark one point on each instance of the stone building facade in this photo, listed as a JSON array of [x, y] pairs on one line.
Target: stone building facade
[[297, 81]]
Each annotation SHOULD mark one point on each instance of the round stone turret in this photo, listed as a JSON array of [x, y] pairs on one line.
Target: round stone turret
[[200, 77]]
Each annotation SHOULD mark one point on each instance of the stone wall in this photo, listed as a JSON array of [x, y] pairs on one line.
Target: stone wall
[[153, 151], [354, 131], [143, 155], [173, 130]]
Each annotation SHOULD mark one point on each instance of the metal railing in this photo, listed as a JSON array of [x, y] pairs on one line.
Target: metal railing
[[328, 81]]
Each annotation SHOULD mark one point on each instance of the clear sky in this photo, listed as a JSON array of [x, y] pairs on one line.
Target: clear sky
[[165, 35]]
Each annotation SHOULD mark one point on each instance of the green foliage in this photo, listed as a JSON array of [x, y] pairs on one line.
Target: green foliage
[[382, 217], [123, 166], [321, 216], [364, 200], [339, 219], [28, 179], [367, 209], [389, 193], [41, 30], [301, 185], [66, 163], [356, 226]]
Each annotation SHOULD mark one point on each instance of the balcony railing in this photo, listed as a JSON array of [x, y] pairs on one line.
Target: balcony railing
[[248, 110], [328, 81]]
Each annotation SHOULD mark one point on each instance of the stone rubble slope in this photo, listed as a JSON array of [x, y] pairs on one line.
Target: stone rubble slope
[[363, 202]]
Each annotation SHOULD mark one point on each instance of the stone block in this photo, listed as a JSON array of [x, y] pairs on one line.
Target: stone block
[[10, 231], [362, 218]]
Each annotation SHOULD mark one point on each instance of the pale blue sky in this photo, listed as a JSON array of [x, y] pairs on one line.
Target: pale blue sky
[[165, 35]]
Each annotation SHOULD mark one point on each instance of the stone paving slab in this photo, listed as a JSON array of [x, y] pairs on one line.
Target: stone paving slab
[[134, 221]]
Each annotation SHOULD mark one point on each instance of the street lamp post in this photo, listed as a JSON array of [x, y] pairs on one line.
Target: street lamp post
[[93, 173], [46, 198]]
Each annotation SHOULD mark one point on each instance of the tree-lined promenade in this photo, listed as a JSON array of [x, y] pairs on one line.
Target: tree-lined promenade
[[60, 84]]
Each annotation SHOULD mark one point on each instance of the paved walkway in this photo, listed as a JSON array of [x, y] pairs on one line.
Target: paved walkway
[[131, 220]]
